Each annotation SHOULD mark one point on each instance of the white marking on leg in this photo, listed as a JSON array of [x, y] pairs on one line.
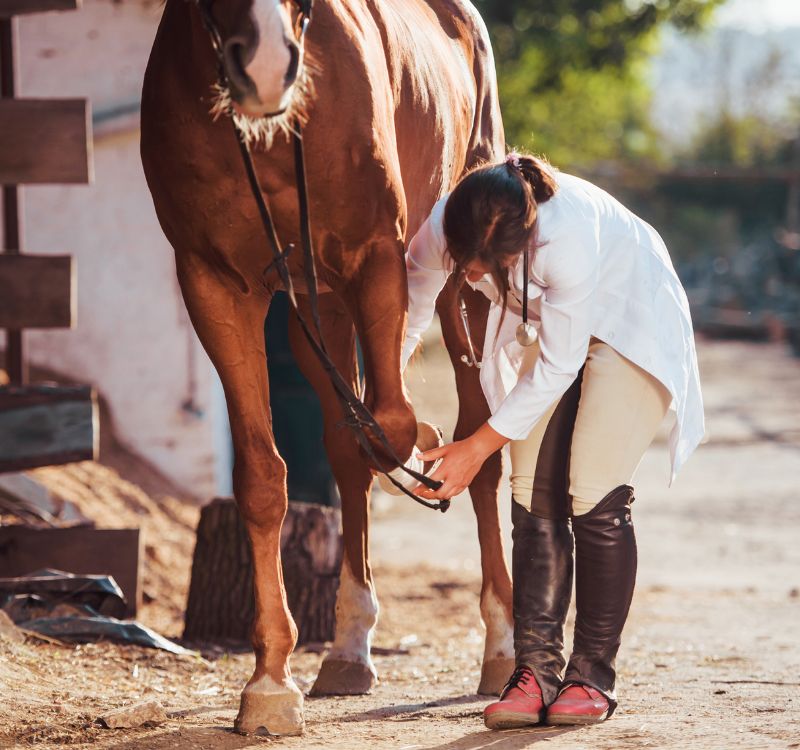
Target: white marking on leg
[[356, 617], [499, 629]]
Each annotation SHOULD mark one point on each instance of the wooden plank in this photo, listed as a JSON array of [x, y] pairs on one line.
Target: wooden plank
[[37, 291], [46, 425], [10, 8], [85, 551], [45, 141]]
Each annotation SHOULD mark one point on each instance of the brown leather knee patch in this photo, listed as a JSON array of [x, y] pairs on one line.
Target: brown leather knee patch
[[550, 497]]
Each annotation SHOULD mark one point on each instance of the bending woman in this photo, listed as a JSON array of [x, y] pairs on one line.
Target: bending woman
[[578, 389]]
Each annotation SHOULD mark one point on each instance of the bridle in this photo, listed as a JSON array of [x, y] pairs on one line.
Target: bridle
[[357, 416]]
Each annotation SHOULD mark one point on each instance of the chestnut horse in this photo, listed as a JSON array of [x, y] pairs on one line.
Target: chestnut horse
[[400, 99]]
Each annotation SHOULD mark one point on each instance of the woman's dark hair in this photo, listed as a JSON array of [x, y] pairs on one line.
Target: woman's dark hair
[[490, 217]]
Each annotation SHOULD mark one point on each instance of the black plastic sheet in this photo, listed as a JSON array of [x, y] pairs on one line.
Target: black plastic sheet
[[76, 608]]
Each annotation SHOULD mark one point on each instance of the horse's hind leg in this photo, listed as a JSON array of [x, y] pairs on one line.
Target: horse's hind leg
[[348, 668], [230, 325], [496, 595]]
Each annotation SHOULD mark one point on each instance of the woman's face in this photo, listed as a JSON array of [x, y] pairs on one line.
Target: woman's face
[[476, 270]]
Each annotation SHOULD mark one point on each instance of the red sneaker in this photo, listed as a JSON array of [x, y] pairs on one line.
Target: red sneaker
[[520, 703], [578, 704]]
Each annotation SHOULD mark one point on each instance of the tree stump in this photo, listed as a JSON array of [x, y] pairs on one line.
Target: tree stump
[[220, 608]]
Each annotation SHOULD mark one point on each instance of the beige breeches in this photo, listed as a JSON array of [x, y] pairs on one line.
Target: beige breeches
[[602, 427]]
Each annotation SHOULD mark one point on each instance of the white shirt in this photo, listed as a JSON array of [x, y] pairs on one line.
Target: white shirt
[[600, 271]]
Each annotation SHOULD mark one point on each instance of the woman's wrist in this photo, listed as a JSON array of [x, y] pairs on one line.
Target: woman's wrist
[[486, 440]]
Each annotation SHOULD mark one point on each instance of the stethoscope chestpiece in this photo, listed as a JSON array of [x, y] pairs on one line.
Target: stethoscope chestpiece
[[526, 333]]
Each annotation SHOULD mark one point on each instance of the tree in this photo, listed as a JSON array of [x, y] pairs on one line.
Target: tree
[[572, 72]]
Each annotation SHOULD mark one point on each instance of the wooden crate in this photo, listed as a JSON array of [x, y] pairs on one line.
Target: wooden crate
[[81, 550]]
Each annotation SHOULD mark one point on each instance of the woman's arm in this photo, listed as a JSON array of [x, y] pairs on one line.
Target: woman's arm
[[427, 269]]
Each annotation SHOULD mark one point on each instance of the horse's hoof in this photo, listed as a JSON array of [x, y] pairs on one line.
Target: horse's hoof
[[494, 675], [270, 708], [339, 677]]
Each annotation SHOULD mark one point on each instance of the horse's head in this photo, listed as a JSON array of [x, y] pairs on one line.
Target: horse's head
[[261, 47]]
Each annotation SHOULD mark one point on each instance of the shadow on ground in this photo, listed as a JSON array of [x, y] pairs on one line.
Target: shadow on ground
[[511, 740]]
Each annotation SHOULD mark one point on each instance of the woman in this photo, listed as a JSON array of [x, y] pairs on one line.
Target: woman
[[579, 394]]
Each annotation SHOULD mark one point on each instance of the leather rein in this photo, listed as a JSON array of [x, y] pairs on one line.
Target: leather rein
[[357, 416]]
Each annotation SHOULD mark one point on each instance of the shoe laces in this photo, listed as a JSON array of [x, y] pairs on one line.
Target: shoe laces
[[524, 679]]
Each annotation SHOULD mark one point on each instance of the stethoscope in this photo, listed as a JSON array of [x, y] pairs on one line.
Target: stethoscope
[[525, 333]]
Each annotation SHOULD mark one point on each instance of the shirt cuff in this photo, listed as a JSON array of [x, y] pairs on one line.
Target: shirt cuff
[[501, 425]]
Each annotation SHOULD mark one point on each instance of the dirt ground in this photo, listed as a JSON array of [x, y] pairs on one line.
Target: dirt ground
[[710, 657]]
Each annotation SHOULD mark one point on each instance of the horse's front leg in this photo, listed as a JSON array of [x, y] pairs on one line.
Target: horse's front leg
[[375, 293], [348, 667], [230, 325], [473, 411]]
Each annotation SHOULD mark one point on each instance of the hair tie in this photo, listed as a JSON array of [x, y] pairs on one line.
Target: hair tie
[[512, 160]]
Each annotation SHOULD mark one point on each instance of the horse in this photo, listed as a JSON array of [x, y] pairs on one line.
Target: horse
[[398, 99]]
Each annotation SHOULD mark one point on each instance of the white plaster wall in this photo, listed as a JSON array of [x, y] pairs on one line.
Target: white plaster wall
[[133, 340]]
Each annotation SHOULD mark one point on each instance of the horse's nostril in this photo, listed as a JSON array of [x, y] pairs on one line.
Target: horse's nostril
[[235, 54], [294, 65]]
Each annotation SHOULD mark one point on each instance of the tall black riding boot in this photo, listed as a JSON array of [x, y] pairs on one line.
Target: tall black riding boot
[[542, 569], [605, 562]]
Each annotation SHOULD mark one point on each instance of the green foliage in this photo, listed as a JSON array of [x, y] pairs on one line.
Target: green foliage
[[571, 72], [744, 141], [592, 115], [585, 34]]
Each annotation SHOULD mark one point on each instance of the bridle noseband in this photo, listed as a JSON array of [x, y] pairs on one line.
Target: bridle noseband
[[357, 416]]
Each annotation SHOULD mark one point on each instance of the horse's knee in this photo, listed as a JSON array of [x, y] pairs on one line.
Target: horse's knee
[[259, 482]]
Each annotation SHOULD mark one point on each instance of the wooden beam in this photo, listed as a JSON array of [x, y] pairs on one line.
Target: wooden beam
[[10, 8], [80, 550], [45, 141], [45, 425], [37, 291]]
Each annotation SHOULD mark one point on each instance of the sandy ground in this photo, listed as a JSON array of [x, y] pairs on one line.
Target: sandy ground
[[711, 653]]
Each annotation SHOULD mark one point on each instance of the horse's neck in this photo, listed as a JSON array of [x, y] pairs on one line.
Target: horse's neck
[[181, 20], [183, 57]]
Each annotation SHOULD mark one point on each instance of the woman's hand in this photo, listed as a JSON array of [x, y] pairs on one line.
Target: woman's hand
[[462, 460]]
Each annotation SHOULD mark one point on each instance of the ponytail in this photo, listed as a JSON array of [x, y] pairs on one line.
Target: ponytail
[[534, 172]]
